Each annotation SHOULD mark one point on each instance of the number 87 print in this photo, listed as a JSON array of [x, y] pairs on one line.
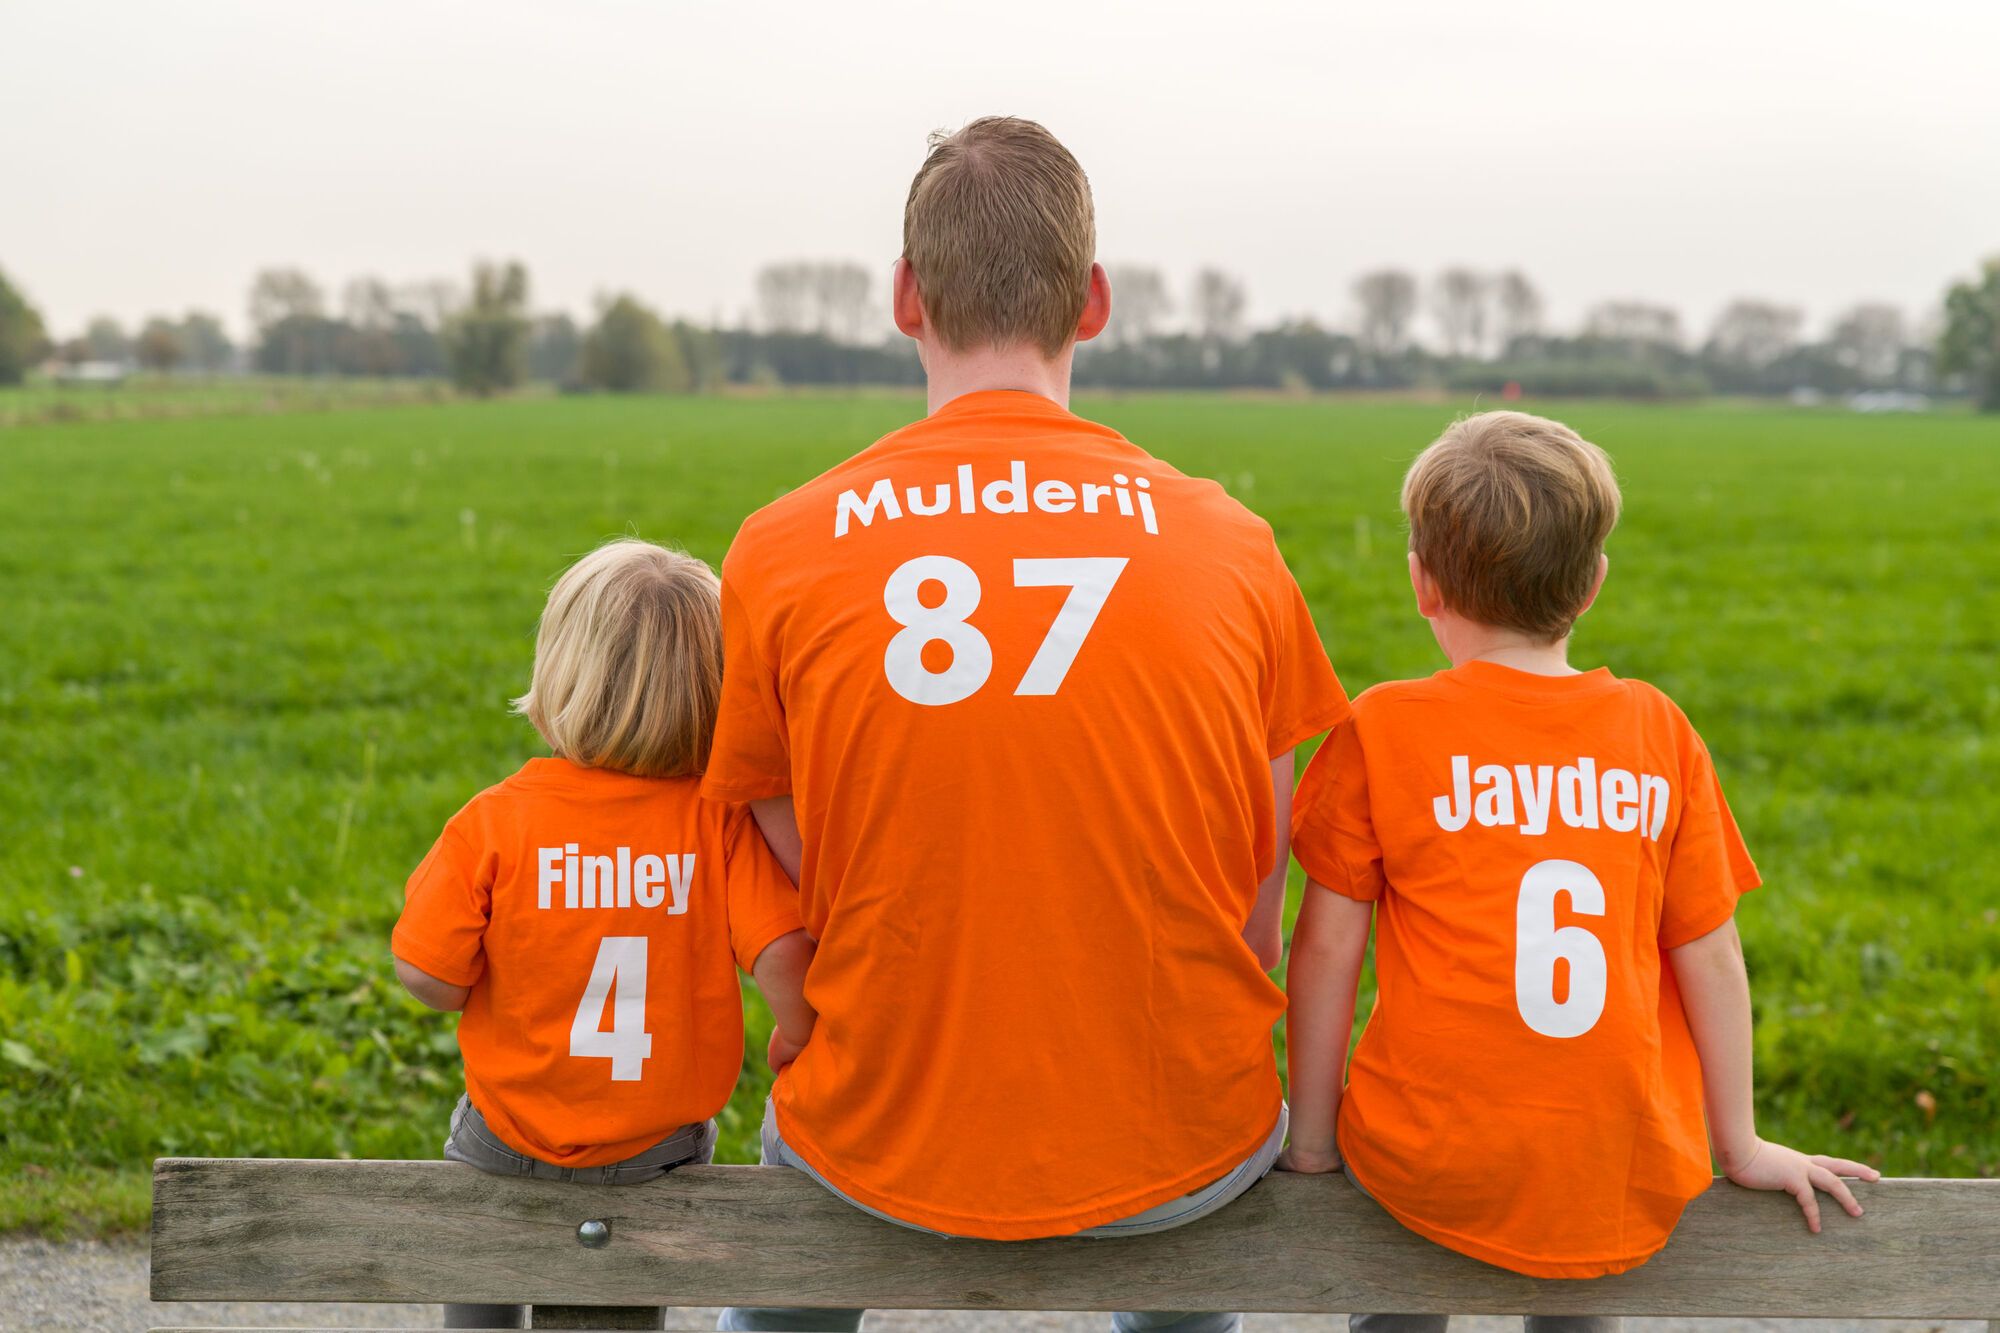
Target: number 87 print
[[1089, 580]]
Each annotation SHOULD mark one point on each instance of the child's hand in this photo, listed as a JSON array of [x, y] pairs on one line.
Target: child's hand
[[781, 1052], [1302, 1162], [1773, 1166]]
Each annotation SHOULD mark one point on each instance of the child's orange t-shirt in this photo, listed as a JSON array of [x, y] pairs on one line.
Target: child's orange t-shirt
[[599, 919], [1526, 1090], [1024, 683]]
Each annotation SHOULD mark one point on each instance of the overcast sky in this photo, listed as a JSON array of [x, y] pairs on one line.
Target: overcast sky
[[1818, 152]]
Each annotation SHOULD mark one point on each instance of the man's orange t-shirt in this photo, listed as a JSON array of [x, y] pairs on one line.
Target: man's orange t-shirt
[[1024, 683], [1526, 1090], [599, 919]]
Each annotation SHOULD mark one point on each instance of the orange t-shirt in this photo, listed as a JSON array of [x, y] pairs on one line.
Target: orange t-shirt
[[1024, 683], [1526, 1091], [599, 919]]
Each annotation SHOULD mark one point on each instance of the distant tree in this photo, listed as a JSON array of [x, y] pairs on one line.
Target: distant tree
[[369, 343], [107, 340], [159, 346], [1217, 306], [629, 350], [784, 296], [23, 339], [1970, 343], [288, 313], [1140, 303], [486, 343], [1519, 305], [1635, 325], [1869, 339], [1753, 334], [1388, 301], [205, 345], [1459, 299], [840, 299], [554, 348], [702, 354]]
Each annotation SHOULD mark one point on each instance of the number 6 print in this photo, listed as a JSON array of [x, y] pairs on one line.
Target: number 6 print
[[1538, 944], [1089, 580]]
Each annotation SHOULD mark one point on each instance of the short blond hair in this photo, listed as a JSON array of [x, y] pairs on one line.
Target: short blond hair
[[628, 662], [1509, 513], [1000, 231]]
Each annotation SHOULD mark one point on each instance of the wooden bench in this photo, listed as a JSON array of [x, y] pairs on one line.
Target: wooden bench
[[267, 1230]]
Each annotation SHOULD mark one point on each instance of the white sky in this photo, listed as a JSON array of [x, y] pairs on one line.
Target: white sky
[[1819, 152]]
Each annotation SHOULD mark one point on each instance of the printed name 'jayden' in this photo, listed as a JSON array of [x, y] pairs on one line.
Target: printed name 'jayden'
[[1574, 793], [1003, 495], [621, 880]]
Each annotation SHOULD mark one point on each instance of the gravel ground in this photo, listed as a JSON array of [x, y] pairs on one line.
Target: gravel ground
[[89, 1287]]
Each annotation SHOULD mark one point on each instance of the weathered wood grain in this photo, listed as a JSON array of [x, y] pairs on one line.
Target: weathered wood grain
[[438, 1231]]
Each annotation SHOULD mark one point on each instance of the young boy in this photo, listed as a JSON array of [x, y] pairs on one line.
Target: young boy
[[1554, 874], [601, 875]]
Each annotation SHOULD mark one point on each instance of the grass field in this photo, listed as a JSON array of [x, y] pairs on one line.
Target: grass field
[[249, 665]]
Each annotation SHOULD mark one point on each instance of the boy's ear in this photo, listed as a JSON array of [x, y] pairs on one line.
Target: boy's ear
[[1597, 584], [1429, 600], [906, 303], [1096, 306]]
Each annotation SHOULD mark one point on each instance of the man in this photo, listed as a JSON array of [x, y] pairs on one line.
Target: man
[[1016, 704]]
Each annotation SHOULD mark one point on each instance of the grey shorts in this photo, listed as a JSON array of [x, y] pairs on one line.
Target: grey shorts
[[471, 1142]]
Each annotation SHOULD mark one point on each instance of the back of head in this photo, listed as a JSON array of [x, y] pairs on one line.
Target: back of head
[[1000, 231], [1509, 513], [628, 662]]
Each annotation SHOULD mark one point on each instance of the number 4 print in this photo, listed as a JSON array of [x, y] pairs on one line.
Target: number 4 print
[[1088, 578], [620, 966]]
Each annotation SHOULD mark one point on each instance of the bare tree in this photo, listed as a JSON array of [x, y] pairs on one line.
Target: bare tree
[[840, 298], [784, 295], [1459, 300], [1520, 307], [1140, 302], [1388, 300], [107, 340], [1753, 334], [1637, 324], [1870, 339], [278, 294], [367, 303], [159, 346], [1218, 305]]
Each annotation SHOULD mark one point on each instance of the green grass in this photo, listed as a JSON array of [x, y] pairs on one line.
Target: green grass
[[249, 665]]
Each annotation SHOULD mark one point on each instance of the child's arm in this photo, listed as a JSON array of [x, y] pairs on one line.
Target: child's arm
[[778, 820], [1265, 931], [1328, 945], [781, 975], [1715, 993], [440, 995]]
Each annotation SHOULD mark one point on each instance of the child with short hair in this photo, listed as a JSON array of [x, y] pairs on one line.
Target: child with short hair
[[1553, 873], [599, 885]]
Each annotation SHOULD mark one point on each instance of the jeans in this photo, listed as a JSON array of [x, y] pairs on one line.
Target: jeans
[[471, 1142], [1173, 1213]]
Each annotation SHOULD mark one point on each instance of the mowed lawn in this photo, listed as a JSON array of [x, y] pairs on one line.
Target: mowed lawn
[[248, 666]]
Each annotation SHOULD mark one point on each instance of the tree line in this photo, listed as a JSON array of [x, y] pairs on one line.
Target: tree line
[[817, 322]]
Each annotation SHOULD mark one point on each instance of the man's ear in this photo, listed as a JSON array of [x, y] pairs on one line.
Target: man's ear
[[1429, 600], [906, 303], [1096, 306], [1597, 584]]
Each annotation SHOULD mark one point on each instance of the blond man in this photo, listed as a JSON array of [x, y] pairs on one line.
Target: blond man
[[1016, 702], [1553, 873]]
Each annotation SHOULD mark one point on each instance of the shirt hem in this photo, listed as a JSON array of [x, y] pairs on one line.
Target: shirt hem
[[754, 789], [1042, 1227], [767, 934], [1310, 726], [1496, 1255]]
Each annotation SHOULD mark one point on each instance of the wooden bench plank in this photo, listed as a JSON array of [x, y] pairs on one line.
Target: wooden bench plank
[[439, 1231]]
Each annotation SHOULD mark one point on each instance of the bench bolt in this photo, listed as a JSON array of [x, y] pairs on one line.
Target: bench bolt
[[593, 1235]]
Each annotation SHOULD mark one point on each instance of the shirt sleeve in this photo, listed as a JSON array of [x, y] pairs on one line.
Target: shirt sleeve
[[446, 906], [1302, 696], [1333, 829], [751, 757], [763, 905], [1708, 867]]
